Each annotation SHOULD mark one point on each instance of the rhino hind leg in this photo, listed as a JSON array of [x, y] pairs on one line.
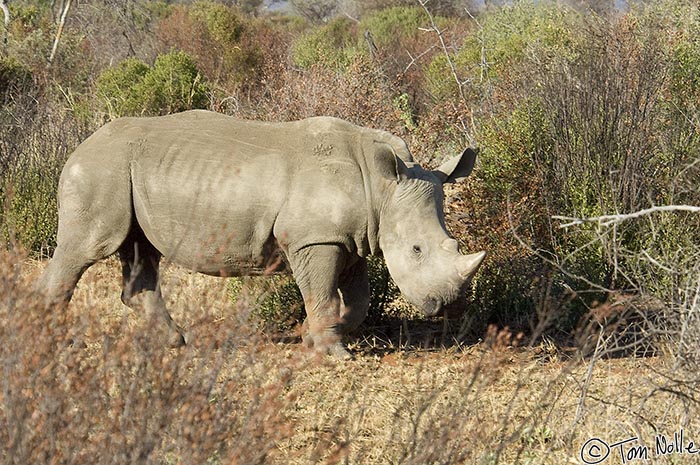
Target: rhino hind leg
[[141, 285], [58, 281], [82, 240]]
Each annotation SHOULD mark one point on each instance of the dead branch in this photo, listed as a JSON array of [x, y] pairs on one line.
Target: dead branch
[[59, 32], [414, 60], [6, 11], [453, 69], [609, 220]]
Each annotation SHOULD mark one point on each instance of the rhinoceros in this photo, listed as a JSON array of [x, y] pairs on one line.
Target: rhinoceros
[[228, 197]]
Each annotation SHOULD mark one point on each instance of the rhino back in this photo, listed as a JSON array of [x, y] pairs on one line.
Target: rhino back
[[221, 195]]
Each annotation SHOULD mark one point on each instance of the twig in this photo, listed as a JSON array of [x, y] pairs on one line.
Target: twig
[[415, 59], [553, 262], [609, 220], [484, 64], [453, 69]]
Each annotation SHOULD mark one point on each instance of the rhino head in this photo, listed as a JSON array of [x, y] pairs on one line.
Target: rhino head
[[422, 257]]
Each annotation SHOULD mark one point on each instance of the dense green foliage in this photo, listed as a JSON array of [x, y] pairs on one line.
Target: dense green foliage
[[133, 89], [576, 113], [331, 45]]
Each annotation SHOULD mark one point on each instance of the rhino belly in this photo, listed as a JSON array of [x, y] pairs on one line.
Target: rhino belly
[[215, 221]]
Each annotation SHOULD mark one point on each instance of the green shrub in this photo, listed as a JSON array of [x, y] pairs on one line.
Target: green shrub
[[121, 87], [331, 45], [131, 88], [383, 290], [586, 129], [174, 84], [222, 22], [30, 215], [30, 163], [508, 35], [275, 302], [219, 38], [388, 26]]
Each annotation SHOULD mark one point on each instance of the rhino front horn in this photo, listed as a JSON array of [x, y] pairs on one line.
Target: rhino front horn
[[468, 264]]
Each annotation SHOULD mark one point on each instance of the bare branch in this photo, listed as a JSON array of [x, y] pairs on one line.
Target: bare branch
[[6, 10], [453, 69], [61, 23], [609, 220], [434, 28], [415, 59]]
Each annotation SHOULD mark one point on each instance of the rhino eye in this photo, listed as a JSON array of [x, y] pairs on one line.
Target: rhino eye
[[417, 250]]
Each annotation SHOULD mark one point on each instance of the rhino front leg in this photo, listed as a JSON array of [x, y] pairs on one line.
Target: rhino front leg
[[354, 293], [141, 286], [317, 270]]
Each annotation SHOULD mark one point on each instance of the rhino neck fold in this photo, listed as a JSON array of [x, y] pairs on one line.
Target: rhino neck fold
[[372, 213]]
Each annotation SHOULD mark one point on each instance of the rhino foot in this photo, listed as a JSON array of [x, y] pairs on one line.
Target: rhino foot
[[338, 351], [327, 346]]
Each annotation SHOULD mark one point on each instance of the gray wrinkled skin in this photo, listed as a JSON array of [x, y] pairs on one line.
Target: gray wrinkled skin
[[228, 198]]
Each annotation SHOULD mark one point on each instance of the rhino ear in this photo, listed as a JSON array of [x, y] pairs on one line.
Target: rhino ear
[[457, 168], [389, 165]]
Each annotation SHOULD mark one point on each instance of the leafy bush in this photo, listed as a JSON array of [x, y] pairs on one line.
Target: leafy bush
[[173, 84], [33, 147], [30, 216], [275, 302], [121, 88], [390, 25], [331, 45], [501, 47], [586, 130]]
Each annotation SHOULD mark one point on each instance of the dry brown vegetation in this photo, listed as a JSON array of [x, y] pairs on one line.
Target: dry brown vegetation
[[234, 396]]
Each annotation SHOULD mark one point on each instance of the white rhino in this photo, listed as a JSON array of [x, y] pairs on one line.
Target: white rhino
[[228, 197]]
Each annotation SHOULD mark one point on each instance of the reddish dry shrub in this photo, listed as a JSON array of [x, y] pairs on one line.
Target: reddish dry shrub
[[125, 399], [229, 58], [361, 94]]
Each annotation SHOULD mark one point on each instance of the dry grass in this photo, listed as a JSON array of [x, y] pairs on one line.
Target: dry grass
[[234, 396]]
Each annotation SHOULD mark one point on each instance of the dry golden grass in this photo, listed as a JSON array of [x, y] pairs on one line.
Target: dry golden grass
[[235, 396]]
